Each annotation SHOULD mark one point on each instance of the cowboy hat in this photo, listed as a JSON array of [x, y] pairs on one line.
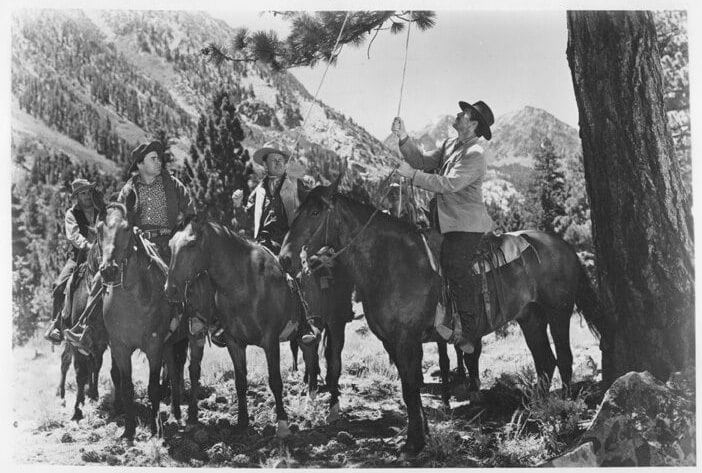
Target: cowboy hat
[[79, 185], [270, 147], [481, 112], [141, 151]]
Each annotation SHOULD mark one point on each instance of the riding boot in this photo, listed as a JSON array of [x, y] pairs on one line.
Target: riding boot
[[469, 325], [53, 333], [218, 335]]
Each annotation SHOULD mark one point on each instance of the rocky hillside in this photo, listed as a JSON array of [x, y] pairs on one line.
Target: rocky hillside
[[106, 80]]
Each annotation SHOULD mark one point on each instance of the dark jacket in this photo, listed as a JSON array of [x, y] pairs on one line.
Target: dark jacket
[[178, 199], [79, 230]]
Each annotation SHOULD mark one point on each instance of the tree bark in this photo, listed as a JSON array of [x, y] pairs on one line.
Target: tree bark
[[641, 220]]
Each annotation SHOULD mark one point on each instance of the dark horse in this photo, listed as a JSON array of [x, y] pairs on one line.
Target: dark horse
[[136, 313], [86, 367], [331, 307], [252, 298], [391, 270]]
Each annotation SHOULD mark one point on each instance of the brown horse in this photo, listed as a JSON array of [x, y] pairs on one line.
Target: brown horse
[[86, 367], [252, 298], [331, 306], [391, 270], [136, 313]]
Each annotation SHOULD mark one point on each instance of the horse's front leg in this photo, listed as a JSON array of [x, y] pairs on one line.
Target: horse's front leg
[[275, 382], [122, 356], [81, 365], [155, 362], [409, 365], [95, 366], [117, 405], [238, 354], [197, 348], [335, 344], [66, 357]]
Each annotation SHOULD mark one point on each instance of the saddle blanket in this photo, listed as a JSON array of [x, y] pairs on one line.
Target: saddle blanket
[[511, 246]]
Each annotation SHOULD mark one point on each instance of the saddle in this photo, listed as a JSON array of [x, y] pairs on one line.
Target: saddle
[[493, 252]]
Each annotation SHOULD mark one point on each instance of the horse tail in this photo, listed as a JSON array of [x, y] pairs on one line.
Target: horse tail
[[589, 305]]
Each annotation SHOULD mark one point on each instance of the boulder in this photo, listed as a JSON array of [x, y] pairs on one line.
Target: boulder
[[640, 422]]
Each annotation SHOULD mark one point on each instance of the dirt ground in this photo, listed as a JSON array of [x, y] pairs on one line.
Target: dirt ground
[[494, 430]]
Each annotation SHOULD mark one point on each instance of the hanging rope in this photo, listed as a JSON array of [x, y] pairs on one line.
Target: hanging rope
[[314, 100], [399, 108], [404, 69]]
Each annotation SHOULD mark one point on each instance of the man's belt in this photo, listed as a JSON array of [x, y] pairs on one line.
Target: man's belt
[[156, 232]]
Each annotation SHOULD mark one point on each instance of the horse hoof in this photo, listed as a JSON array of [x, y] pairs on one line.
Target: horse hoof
[[312, 395], [283, 429], [77, 415], [333, 414], [410, 450]]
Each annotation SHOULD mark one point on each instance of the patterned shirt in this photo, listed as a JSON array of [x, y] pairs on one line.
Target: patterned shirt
[[152, 204]]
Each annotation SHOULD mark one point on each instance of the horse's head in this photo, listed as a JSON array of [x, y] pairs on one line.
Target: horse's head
[[315, 278], [188, 258], [313, 227], [115, 237]]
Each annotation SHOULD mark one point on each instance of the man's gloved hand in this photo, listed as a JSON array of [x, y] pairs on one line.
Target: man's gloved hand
[[405, 170], [398, 128]]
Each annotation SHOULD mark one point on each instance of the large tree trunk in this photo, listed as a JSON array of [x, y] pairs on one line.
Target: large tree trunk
[[641, 221]]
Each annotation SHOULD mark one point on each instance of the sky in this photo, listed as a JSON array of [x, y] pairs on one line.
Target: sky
[[508, 59]]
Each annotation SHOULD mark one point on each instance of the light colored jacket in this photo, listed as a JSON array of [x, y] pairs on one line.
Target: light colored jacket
[[289, 194], [460, 169]]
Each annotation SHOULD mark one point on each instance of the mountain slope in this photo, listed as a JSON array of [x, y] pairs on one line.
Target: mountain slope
[[109, 79]]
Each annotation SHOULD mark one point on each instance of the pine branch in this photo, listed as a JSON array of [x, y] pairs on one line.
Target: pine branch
[[313, 36]]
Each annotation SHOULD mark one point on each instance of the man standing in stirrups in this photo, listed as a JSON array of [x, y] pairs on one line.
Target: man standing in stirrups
[[158, 200], [272, 206], [459, 212]]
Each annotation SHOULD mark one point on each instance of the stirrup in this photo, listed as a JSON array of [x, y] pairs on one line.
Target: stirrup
[[219, 338], [310, 337]]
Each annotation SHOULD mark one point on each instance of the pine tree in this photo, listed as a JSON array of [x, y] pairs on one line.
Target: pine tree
[[217, 162], [548, 188]]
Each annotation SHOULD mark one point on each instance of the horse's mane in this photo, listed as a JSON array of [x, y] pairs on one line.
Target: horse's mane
[[401, 225]]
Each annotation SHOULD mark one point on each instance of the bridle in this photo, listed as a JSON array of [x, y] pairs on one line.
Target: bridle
[[121, 267], [324, 224], [189, 283]]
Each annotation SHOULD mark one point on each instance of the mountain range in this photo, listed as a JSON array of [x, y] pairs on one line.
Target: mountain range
[[92, 84]]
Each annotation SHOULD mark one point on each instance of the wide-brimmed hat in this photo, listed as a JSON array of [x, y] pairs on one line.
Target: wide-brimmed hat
[[482, 113], [141, 151], [79, 185], [271, 147]]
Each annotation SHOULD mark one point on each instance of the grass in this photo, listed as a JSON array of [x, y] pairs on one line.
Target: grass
[[373, 415]]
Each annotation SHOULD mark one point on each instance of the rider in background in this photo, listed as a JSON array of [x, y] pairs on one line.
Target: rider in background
[[79, 223], [458, 211], [272, 206]]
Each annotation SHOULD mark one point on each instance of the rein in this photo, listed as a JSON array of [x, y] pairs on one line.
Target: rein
[[191, 281]]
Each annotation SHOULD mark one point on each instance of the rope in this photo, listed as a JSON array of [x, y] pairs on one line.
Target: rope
[[399, 108], [404, 69], [314, 100]]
